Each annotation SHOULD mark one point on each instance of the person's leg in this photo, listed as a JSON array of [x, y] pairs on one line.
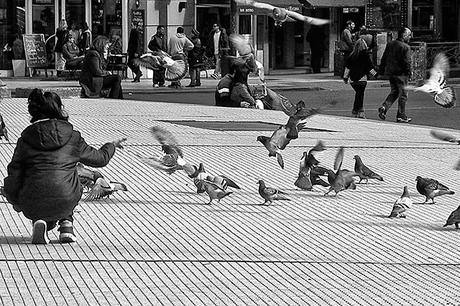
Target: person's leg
[[217, 70], [134, 68], [198, 76], [192, 77], [40, 232], [390, 99], [402, 83], [359, 87], [114, 83], [161, 77]]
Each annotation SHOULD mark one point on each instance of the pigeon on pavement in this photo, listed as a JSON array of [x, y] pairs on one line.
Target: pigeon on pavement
[[280, 14], [102, 189], [307, 163], [271, 194], [200, 175], [215, 188], [87, 176], [403, 203], [315, 176], [431, 188], [436, 86], [3, 129], [342, 179], [364, 172], [454, 218]]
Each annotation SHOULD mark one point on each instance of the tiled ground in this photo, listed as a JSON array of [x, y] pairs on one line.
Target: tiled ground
[[159, 243]]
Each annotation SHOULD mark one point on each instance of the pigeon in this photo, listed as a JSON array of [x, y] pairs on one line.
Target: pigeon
[[342, 179], [175, 68], [403, 203], [446, 137], [454, 218], [277, 142], [271, 194], [431, 188], [364, 172], [200, 175], [443, 95], [102, 189], [3, 129], [87, 176], [281, 15], [215, 188], [172, 158], [307, 162], [315, 176]]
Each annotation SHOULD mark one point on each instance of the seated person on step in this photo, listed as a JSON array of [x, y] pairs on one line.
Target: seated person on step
[[71, 52]]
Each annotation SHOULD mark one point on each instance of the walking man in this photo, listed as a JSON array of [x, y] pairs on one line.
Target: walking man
[[218, 47], [395, 63], [134, 50], [158, 43]]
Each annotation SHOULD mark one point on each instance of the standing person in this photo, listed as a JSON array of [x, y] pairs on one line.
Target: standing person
[[134, 50], [315, 37], [395, 63], [218, 46], [357, 66], [195, 60], [86, 38], [61, 38], [95, 81], [75, 32], [158, 43], [178, 45], [42, 179], [346, 39]]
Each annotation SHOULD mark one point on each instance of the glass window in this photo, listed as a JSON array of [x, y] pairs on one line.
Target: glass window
[[75, 15], [244, 25], [386, 14], [12, 25], [43, 17], [106, 18], [422, 17]]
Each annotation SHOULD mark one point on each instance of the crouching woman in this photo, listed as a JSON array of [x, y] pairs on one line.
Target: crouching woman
[[42, 179]]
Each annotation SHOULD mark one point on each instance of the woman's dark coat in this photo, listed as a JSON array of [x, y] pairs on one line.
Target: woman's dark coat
[[92, 71], [42, 177]]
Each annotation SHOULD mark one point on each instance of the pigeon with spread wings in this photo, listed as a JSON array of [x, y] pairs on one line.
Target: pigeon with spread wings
[[449, 138], [176, 68], [246, 52], [280, 14], [436, 85]]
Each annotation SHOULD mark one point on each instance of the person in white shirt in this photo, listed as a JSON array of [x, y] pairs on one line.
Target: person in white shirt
[[218, 47]]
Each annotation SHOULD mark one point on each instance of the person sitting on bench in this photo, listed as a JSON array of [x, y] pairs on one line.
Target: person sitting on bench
[[94, 79], [71, 52]]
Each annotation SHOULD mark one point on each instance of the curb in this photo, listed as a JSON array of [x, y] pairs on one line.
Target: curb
[[63, 92]]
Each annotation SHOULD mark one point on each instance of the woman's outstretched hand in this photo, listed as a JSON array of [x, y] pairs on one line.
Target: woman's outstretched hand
[[117, 143]]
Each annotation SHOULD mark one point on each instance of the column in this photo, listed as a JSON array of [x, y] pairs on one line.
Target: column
[[124, 24]]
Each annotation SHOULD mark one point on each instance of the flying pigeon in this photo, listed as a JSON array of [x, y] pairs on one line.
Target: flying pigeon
[[436, 85], [342, 179], [315, 176], [281, 15], [403, 203], [215, 188], [172, 158], [446, 137], [3, 129], [102, 189], [246, 52], [277, 142], [200, 175], [87, 176], [431, 188], [176, 69], [271, 194], [364, 172], [307, 163], [454, 218]]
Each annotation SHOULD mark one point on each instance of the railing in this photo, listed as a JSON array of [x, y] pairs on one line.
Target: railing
[[451, 49]]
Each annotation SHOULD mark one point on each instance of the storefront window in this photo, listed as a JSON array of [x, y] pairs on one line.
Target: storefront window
[[12, 25], [244, 24], [423, 22], [386, 14], [106, 18], [75, 13], [43, 17]]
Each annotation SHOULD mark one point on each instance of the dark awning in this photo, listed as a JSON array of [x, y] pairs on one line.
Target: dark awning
[[280, 3], [333, 3]]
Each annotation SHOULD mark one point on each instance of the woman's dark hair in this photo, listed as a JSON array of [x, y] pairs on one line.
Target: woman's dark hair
[[99, 43], [45, 105]]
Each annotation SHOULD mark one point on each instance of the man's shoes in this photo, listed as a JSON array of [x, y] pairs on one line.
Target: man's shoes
[[162, 85], [136, 80], [404, 120], [156, 85], [190, 85], [197, 84], [40, 233], [66, 232], [382, 112], [361, 115]]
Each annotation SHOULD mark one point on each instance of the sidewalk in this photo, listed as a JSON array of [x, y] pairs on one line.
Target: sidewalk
[[159, 243]]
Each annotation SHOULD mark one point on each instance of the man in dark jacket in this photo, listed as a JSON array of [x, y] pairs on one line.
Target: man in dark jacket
[[395, 63], [158, 42], [218, 47], [42, 179], [134, 50]]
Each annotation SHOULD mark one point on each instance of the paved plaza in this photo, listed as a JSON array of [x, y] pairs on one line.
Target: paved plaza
[[160, 244]]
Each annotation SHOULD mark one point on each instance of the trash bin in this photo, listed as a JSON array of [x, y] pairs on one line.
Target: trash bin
[[339, 62]]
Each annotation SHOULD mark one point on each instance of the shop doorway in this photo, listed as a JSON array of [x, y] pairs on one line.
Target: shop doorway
[[106, 18]]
